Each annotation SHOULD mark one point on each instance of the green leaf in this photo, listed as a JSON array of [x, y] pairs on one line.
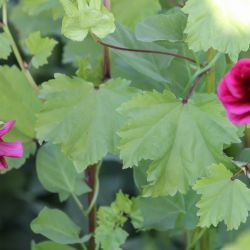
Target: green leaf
[[40, 48], [131, 13], [81, 118], [215, 24], [57, 174], [56, 226], [151, 65], [222, 199], [156, 126], [15, 163], [18, 101], [168, 27], [36, 7], [26, 24], [242, 242], [160, 213], [83, 17], [49, 245], [109, 233], [5, 45]]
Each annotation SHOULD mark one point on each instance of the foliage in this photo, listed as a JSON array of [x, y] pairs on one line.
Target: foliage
[[121, 95]]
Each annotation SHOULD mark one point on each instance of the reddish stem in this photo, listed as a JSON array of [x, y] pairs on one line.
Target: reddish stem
[[91, 180]]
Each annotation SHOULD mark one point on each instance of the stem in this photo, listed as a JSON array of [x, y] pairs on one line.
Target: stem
[[145, 51], [237, 174], [196, 239], [97, 188], [15, 49], [197, 77], [247, 137], [91, 180], [78, 203], [211, 75]]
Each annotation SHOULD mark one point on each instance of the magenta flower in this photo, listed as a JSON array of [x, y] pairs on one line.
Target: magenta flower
[[234, 92], [9, 149]]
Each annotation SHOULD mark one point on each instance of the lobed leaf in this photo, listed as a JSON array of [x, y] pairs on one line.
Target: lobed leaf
[[181, 139], [222, 199]]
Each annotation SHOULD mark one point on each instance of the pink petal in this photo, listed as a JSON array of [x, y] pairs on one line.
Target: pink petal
[[3, 163], [235, 86], [224, 93], [237, 108], [239, 119], [7, 127], [11, 149]]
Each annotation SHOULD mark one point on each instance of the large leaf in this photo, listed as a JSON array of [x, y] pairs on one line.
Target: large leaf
[[40, 48], [81, 118], [215, 24], [57, 173], [168, 27], [84, 16], [181, 139], [56, 226], [18, 101], [49, 245], [134, 11], [151, 65], [36, 7], [222, 199]]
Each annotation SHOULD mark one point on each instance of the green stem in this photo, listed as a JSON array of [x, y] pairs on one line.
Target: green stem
[[197, 76], [15, 49], [197, 238], [78, 203], [97, 188], [210, 86]]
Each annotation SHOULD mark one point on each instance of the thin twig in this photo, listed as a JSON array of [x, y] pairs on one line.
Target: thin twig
[[15, 50], [145, 51], [236, 175], [198, 76]]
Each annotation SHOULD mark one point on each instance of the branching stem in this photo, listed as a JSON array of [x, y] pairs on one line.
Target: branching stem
[[145, 51], [15, 50]]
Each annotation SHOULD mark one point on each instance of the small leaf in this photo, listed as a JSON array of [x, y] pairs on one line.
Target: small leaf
[[168, 27], [222, 199], [81, 17], [56, 226], [49, 245], [40, 48], [5, 45], [81, 118], [109, 233], [57, 174], [156, 126], [215, 24]]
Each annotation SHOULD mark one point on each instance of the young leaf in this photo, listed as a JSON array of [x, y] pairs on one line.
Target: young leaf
[[222, 199], [49, 245], [57, 174], [82, 17], [81, 118], [109, 233], [56, 226], [168, 27], [5, 45], [158, 123], [130, 14], [40, 48], [215, 24]]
